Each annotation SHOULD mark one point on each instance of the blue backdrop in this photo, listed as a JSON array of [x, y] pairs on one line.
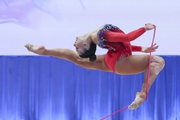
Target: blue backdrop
[[48, 88]]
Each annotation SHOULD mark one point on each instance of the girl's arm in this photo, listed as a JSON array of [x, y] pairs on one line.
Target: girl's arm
[[120, 36], [136, 48], [144, 49]]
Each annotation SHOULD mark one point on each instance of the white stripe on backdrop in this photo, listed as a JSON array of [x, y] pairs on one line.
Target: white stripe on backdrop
[[57, 23]]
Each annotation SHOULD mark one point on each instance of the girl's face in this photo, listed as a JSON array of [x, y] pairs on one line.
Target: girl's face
[[80, 45]]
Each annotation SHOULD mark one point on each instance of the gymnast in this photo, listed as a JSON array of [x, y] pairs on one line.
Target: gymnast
[[118, 59]]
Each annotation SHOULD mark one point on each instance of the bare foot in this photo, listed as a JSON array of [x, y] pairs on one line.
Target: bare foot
[[36, 49], [140, 98]]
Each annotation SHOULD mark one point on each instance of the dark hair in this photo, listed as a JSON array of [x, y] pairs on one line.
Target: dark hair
[[90, 53]]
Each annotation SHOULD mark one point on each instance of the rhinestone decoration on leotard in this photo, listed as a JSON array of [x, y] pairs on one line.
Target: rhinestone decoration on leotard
[[101, 33]]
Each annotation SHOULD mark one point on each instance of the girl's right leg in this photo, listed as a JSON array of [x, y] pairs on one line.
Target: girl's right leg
[[137, 64]]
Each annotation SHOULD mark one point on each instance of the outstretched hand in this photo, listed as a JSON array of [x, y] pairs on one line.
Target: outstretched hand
[[149, 26], [150, 49]]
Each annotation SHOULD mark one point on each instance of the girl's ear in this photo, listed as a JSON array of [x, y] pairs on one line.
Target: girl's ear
[[85, 45]]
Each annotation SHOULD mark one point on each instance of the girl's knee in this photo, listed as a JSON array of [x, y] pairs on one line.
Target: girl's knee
[[158, 63], [159, 59]]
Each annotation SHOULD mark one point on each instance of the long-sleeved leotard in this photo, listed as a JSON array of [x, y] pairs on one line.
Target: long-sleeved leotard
[[117, 43], [120, 36]]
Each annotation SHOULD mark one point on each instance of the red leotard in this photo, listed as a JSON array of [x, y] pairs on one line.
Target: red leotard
[[117, 43]]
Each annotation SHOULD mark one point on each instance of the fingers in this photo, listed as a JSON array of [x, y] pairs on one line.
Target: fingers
[[149, 26], [155, 46], [152, 48]]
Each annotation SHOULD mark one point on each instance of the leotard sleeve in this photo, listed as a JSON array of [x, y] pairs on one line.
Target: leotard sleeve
[[136, 48], [120, 36]]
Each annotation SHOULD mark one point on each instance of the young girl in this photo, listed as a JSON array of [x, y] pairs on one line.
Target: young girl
[[118, 59]]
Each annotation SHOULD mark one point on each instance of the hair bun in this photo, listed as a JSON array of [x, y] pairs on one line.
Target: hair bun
[[92, 58]]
